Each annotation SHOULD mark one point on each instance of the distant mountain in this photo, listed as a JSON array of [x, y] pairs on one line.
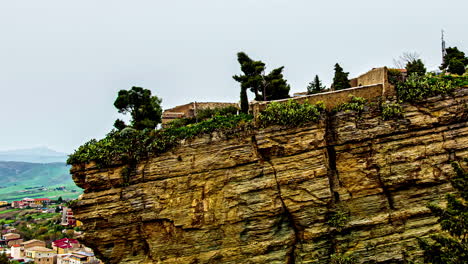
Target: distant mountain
[[34, 180], [34, 155]]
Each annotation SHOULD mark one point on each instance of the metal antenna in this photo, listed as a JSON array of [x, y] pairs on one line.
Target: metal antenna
[[444, 52]]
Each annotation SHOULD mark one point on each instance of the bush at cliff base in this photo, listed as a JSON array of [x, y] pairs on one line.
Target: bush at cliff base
[[451, 245]]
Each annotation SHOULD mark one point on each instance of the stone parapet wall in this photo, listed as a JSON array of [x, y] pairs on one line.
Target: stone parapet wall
[[330, 99]]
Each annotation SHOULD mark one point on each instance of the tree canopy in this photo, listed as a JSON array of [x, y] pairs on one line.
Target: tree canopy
[[415, 66], [453, 55], [456, 66], [315, 86], [340, 80], [144, 108], [270, 86]]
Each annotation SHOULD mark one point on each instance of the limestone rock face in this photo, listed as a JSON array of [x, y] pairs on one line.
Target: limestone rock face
[[269, 196]]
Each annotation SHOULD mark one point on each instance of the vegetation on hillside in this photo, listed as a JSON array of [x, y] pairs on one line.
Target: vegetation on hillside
[[131, 145], [355, 104], [35, 180], [416, 88], [290, 113], [31, 224]]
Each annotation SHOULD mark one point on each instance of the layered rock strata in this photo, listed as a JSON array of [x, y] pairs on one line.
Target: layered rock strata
[[274, 195]]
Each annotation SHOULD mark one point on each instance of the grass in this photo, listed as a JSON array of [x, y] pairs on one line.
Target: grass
[[9, 210], [6, 222], [15, 193], [44, 215]]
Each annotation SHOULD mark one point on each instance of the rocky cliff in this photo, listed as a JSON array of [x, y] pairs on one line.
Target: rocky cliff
[[351, 183]]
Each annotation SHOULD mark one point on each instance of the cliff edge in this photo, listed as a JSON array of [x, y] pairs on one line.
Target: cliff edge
[[351, 183]]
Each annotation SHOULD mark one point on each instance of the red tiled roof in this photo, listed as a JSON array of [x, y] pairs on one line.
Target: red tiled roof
[[42, 199], [65, 242]]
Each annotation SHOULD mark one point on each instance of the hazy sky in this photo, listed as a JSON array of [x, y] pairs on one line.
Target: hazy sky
[[62, 62]]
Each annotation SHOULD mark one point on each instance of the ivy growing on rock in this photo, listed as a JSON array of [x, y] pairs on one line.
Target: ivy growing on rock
[[355, 104], [391, 111]]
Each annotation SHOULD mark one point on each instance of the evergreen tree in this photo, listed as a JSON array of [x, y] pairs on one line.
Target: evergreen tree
[[451, 245], [265, 87], [415, 66], [340, 81], [456, 67], [315, 86], [453, 54], [253, 71], [144, 108], [275, 85]]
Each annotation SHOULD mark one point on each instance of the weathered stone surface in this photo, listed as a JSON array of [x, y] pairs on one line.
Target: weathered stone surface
[[266, 197]]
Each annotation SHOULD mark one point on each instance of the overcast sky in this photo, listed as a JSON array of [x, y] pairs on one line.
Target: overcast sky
[[63, 62]]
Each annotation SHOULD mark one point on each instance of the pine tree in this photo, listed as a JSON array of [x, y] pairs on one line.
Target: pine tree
[[415, 67], [265, 87], [340, 81], [315, 86], [451, 245], [276, 86]]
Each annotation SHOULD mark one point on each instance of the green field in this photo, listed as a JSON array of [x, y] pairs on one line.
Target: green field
[[35, 180]]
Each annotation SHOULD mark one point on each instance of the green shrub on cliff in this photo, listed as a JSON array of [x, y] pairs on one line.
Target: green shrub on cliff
[[451, 245], [391, 110], [417, 88], [342, 259], [130, 145], [290, 113], [355, 104]]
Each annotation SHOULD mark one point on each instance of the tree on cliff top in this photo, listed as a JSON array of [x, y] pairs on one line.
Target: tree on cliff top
[[265, 87], [451, 245], [144, 108], [340, 81], [315, 86], [415, 67], [453, 54]]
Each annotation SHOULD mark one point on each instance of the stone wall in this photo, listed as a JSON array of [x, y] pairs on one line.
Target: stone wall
[[370, 86], [331, 99], [267, 196], [189, 110]]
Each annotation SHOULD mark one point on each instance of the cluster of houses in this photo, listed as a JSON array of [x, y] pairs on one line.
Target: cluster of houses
[[63, 251], [31, 203]]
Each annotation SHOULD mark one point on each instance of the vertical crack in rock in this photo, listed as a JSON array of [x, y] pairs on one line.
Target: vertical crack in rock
[[289, 216], [386, 191], [332, 173], [291, 257], [144, 239]]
